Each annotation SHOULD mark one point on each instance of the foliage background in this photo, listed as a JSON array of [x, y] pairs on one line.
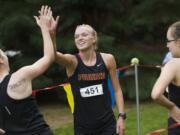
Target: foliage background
[[126, 28]]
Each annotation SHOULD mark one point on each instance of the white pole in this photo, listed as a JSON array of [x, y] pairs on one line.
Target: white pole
[[137, 97]]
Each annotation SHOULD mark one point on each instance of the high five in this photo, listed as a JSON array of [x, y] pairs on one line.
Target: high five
[[88, 71]]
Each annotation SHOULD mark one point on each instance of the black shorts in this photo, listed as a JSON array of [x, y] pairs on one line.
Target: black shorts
[[110, 130], [173, 131], [45, 132]]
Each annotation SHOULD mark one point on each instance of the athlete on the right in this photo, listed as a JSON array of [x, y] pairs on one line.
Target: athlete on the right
[[170, 76]]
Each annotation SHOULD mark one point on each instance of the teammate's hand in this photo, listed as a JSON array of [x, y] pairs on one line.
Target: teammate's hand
[[53, 27], [45, 17], [54, 23]]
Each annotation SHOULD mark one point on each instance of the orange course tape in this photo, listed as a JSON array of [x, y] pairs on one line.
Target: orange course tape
[[118, 69], [158, 131]]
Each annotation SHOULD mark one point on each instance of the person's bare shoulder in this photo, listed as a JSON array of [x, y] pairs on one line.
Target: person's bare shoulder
[[108, 59], [172, 67], [173, 63], [107, 56], [66, 59], [72, 60]]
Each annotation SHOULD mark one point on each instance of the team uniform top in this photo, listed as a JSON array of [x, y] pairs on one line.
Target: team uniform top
[[174, 94], [93, 109], [20, 117]]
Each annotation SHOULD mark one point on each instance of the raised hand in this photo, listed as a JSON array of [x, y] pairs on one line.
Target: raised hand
[[45, 18], [54, 23]]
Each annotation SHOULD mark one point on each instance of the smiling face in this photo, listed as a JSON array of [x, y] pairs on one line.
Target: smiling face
[[85, 38]]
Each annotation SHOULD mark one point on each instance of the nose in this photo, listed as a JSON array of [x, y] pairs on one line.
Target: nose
[[167, 45], [80, 38]]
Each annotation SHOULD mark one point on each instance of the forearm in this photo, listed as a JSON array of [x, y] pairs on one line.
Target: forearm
[[53, 38], [60, 58], [57, 54], [119, 101], [48, 44], [162, 100]]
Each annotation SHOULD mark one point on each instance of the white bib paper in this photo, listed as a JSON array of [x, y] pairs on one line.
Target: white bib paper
[[91, 91]]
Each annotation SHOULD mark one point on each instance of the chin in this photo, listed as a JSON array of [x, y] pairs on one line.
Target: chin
[[82, 48]]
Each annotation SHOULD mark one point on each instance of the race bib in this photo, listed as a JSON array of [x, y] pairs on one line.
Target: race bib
[[91, 91]]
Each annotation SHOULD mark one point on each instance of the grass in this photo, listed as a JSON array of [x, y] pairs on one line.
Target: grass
[[152, 117]]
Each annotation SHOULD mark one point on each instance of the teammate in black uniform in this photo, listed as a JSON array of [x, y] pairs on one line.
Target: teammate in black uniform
[[19, 114], [170, 75], [88, 71]]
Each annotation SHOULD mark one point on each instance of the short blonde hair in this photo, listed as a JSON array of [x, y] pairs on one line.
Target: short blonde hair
[[94, 33]]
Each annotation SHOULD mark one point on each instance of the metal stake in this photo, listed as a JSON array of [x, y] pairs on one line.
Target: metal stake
[[137, 96]]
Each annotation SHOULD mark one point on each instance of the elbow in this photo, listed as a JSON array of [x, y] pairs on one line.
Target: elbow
[[155, 96]]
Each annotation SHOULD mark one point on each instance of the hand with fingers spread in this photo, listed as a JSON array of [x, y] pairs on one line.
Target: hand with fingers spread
[[53, 27], [45, 18], [53, 24]]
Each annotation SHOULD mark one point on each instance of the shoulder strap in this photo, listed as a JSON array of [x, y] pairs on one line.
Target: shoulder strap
[[79, 59], [99, 58], [3, 87], [3, 93]]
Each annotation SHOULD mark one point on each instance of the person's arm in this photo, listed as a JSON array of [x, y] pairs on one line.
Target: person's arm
[[67, 60], [111, 65], [20, 82], [167, 75], [44, 22], [165, 78]]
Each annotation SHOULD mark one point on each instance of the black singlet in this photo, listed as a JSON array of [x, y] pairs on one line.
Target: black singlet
[[20, 117], [174, 96], [93, 109]]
